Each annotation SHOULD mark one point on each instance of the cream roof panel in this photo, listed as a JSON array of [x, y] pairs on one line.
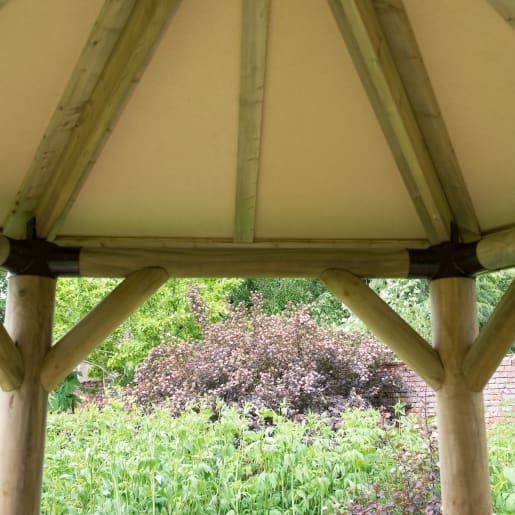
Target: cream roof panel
[[169, 168], [469, 52], [34, 72], [326, 170]]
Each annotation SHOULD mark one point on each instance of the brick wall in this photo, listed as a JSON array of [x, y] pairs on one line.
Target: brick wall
[[500, 389]]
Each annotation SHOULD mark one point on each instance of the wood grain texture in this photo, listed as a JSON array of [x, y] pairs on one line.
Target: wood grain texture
[[29, 315], [460, 412], [373, 59], [506, 8], [112, 262], [72, 105], [386, 324], [492, 344], [226, 243], [252, 85], [97, 325], [415, 79], [497, 250], [11, 364], [100, 110]]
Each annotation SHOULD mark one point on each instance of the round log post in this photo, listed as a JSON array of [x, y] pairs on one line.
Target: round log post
[[28, 320], [460, 411]]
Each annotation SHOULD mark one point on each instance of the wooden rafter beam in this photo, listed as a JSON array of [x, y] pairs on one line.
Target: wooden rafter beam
[[11, 365], [492, 344], [506, 8], [252, 85], [387, 325], [111, 64], [75, 346], [415, 79], [104, 35], [367, 44]]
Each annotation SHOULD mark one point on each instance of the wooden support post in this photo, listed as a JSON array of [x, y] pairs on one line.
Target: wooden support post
[[29, 314], [460, 411]]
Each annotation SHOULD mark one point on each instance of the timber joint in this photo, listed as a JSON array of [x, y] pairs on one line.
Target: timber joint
[[41, 258], [447, 259]]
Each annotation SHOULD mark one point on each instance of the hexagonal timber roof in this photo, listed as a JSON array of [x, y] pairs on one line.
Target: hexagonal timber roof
[[258, 137]]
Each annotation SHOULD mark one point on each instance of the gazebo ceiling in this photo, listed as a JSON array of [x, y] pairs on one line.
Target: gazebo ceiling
[[283, 123]]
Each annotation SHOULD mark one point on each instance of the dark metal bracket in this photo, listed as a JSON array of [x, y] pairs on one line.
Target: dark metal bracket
[[42, 258], [448, 259]]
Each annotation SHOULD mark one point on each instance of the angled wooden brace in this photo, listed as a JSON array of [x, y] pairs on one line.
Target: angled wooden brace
[[492, 344], [11, 365], [387, 325], [75, 346]]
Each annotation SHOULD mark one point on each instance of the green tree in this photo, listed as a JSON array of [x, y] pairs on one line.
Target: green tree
[[165, 315], [277, 294]]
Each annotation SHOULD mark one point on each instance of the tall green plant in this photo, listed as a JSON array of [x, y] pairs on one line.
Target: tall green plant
[[120, 462], [65, 397]]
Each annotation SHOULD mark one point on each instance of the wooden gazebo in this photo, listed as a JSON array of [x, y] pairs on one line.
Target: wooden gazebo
[[345, 139]]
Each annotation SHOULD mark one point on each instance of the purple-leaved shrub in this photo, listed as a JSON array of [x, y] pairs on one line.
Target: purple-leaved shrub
[[266, 360]]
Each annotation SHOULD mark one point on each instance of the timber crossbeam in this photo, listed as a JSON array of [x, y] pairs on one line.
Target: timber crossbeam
[[448, 259]]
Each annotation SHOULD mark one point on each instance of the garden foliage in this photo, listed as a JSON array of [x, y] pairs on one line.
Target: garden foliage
[[121, 461], [253, 357], [279, 294], [165, 315]]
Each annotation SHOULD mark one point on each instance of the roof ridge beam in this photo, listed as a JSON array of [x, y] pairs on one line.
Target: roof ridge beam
[[367, 45], [252, 84]]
